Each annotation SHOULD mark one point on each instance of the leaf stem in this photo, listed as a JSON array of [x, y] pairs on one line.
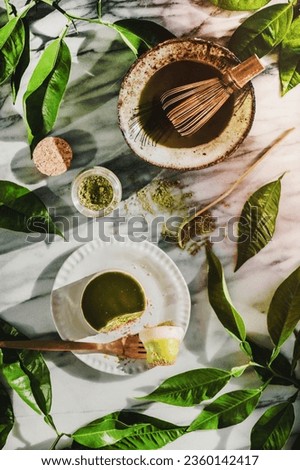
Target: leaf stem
[[49, 420], [239, 370], [255, 364], [265, 384], [56, 441], [10, 9], [99, 9], [71, 17], [28, 7], [274, 354], [261, 156], [64, 31], [296, 383], [296, 5]]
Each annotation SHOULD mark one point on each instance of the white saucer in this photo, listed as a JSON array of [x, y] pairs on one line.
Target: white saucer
[[165, 288]]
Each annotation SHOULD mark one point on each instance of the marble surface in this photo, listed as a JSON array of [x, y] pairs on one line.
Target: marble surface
[[88, 120]]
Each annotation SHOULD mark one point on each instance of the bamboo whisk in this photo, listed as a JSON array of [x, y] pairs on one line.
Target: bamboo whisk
[[189, 107]]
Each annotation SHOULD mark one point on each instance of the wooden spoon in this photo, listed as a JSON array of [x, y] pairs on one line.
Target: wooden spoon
[[263, 154], [129, 346]]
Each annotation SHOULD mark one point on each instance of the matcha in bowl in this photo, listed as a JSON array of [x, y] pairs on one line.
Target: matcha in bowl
[[162, 344], [112, 302]]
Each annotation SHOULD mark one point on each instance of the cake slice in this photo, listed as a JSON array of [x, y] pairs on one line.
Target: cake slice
[[162, 344]]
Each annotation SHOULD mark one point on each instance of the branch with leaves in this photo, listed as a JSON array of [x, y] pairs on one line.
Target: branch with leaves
[[21, 210], [27, 374], [46, 87], [276, 25], [129, 430], [270, 27]]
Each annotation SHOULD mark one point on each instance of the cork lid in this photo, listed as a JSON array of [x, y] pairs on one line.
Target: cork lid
[[52, 156]]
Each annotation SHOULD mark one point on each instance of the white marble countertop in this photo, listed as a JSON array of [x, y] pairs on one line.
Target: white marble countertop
[[88, 120]]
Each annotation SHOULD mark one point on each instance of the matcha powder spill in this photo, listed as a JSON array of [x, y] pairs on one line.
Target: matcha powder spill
[[95, 192]]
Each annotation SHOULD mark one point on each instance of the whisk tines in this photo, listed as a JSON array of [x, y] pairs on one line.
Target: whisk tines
[[189, 107]]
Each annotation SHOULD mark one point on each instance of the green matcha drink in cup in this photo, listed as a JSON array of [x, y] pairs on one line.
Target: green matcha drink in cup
[[112, 301]]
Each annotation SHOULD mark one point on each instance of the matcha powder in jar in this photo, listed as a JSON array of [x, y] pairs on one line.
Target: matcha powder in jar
[[96, 192]]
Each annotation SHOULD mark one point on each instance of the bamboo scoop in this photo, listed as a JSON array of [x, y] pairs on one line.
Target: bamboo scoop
[[263, 154], [129, 346], [189, 107]]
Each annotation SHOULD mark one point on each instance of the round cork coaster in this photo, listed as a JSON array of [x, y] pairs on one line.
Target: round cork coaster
[[52, 156]]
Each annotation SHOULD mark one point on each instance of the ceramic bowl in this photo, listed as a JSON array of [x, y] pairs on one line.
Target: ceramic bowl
[[143, 124]]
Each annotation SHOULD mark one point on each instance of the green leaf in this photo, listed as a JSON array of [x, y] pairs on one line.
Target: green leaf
[[273, 428], [45, 90], [240, 5], [140, 432], [284, 310], [22, 211], [19, 381], [148, 438], [141, 35], [280, 366], [154, 435], [246, 348], [37, 371], [289, 60], [262, 31], [22, 63], [257, 221], [227, 410], [26, 372], [296, 443], [104, 431], [6, 416], [220, 300], [296, 352], [191, 387], [239, 370], [12, 37]]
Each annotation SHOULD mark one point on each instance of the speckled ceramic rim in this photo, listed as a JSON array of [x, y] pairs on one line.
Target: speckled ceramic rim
[[203, 155], [114, 181]]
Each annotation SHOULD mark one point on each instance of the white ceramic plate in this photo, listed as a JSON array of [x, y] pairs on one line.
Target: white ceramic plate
[[165, 288]]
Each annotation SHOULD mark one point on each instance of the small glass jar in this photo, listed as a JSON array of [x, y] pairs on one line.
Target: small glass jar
[[112, 179]]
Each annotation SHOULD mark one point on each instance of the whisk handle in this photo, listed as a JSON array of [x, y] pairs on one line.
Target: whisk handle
[[242, 73]]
